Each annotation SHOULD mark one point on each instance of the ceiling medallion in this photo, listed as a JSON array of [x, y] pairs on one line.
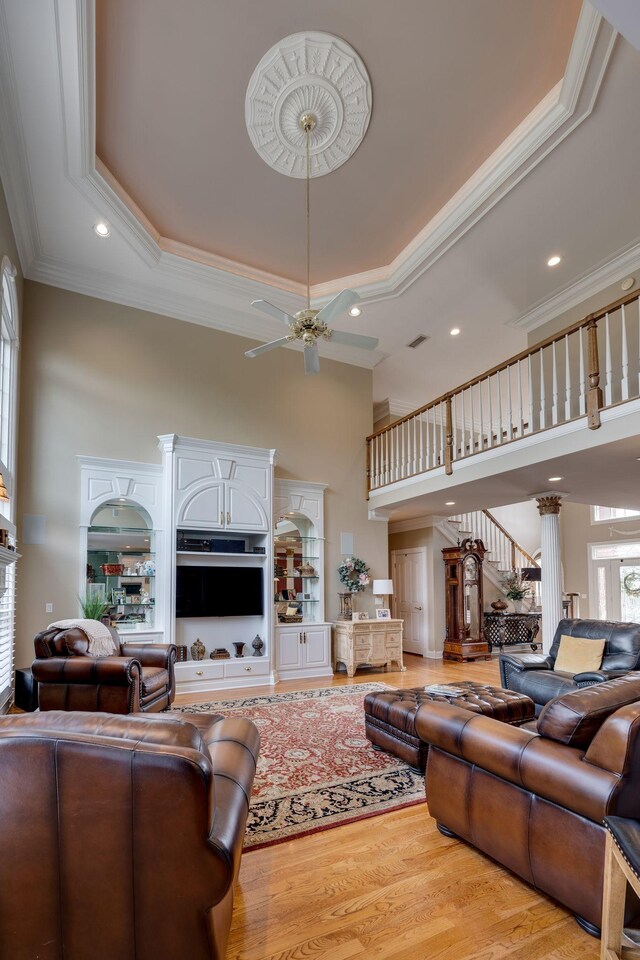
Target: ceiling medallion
[[313, 73]]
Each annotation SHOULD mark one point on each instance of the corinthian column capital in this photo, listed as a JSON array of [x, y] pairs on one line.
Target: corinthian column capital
[[549, 505]]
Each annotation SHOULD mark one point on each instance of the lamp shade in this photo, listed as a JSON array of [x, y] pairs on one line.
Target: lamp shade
[[382, 588]]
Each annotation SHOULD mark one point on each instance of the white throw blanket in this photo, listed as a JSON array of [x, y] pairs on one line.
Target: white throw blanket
[[101, 643]]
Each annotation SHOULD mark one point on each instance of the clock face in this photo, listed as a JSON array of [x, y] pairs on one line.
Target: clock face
[[470, 569]]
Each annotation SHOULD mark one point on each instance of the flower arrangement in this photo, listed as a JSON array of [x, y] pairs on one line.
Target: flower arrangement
[[354, 574], [515, 586]]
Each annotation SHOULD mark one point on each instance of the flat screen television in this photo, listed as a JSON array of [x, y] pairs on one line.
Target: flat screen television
[[209, 591]]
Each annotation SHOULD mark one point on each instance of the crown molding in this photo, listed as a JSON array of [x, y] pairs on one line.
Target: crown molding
[[170, 277], [391, 408], [414, 523], [624, 262]]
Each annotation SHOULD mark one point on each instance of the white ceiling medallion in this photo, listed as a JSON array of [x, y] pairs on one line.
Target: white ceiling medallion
[[313, 73]]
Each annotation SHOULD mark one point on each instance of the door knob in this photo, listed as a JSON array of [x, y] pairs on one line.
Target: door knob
[[417, 608], [199, 673]]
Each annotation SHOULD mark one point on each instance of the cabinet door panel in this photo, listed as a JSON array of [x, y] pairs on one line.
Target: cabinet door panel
[[244, 513], [203, 509], [288, 649], [317, 646]]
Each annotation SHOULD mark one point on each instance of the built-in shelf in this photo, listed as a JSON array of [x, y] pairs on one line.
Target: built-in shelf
[[213, 553]]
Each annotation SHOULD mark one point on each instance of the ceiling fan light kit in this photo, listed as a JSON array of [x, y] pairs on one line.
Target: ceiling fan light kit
[[308, 106]]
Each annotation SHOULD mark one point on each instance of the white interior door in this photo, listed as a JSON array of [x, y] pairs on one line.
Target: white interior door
[[409, 575]]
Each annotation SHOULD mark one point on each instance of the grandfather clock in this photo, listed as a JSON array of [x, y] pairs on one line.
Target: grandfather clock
[[463, 584]]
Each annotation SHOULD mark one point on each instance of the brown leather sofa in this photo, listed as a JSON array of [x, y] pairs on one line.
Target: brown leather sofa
[[140, 678], [534, 797], [121, 836], [533, 673]]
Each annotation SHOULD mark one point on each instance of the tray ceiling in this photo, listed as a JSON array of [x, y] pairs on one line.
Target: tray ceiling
[[450, 82]]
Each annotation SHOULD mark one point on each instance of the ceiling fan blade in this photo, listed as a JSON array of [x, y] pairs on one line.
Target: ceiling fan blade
[[266, 347], [354, 339], [338, 305], [311, 359], [273, 311]]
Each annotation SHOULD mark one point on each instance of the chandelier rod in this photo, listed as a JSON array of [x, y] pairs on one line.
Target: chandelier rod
[[308, 122]]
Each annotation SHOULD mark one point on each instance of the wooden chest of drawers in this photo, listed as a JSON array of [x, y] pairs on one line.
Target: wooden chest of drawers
[[373, 643]]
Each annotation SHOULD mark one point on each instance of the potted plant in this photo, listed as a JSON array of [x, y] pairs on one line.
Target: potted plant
[[516, 589], [93, 606]]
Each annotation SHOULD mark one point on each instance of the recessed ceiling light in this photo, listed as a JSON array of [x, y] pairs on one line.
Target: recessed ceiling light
[[554, 261], [553, 479], [101, 229], [450, 503], [628, 283], [455, 331], [122, 499], [355, 312]]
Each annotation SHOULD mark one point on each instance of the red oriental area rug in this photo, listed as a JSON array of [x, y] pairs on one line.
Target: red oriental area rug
[[316, 769]]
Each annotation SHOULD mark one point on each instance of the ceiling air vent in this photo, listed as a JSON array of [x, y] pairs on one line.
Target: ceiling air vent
[[418, 341]]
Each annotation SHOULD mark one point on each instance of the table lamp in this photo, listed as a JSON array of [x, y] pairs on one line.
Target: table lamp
[[382, 589]]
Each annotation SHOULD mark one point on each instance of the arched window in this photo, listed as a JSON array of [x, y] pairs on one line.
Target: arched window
[[8, 420]]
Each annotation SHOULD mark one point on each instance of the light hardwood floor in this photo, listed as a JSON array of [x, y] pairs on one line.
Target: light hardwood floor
[[392, 887]]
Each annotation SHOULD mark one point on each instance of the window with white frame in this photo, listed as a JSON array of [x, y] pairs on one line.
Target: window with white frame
[[604, 514], [8, 421]]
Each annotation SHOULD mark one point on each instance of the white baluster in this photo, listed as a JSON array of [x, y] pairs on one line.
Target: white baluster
[[500, 431], [624, 383], [582, 400], [463, 451], [520, 402], [530, 391], [554, 385], [567, 380], [509, 385], [490, 412], [472, 417], [543, 399], [608, 383], [481, 434]]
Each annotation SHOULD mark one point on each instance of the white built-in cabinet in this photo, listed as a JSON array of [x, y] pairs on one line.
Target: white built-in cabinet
[[301, 649], [226, 491]]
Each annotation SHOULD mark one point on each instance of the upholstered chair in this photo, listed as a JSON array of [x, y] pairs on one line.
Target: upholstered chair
[[533, 673], [137, 678], [121, 837]]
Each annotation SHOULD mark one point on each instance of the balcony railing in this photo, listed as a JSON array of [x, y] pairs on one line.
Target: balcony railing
[[554, 382]]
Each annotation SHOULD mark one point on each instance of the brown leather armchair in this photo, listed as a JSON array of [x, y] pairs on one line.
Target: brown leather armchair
[[534, 797], [121, 836], [140, 678]]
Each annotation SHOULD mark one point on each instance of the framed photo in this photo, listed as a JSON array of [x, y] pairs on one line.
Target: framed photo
[[359, 615], [383, 613], [98, 590], [292, 610]]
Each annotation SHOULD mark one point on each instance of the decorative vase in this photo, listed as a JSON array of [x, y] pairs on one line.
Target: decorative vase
[[519, 606], [239, 647], [198, 650], [499, 606], [258, 645], [346, 606]]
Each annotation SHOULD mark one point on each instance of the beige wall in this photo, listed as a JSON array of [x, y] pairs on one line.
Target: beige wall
[[104, 380], [599, 300]]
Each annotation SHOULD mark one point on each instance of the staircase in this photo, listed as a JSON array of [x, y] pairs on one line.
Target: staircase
[[504, 553]]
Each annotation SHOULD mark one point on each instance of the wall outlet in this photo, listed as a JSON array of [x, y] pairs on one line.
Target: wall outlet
[[48, 608]]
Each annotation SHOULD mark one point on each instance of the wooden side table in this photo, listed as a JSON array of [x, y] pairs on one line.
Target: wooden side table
[[367, 643]]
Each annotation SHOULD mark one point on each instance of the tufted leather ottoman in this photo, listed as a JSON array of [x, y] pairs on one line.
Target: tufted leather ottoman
[[390, 715]]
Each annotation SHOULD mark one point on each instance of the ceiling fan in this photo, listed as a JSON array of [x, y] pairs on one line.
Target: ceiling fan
[[310, 326]]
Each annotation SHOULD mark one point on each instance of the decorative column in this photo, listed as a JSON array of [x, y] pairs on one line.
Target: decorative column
[[549, 507]]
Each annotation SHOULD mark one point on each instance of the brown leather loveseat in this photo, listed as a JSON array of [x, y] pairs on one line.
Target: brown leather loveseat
[[534, 797], [138, 678], [121, 836]]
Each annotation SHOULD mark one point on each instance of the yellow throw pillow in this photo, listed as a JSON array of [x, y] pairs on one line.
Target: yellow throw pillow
[[578, 654]]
